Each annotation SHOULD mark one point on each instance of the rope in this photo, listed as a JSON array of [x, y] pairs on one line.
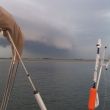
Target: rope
[[14, 76], [9, 85]]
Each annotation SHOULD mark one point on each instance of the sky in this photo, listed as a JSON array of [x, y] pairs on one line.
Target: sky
[[60, 28]]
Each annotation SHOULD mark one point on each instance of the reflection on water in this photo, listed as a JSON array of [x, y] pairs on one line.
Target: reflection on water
[[63, 85]]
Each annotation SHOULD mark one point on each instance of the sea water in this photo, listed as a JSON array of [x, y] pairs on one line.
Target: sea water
[[63, 85]]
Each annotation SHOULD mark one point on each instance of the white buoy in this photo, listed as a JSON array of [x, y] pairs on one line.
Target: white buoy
[[40, 101]]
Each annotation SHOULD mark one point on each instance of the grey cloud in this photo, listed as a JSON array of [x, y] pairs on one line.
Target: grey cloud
[[4, 42], [44, 50], [78, 22], [47, 34]]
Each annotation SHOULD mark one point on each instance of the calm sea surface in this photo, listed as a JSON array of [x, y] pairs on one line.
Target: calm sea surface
[[63, 85]]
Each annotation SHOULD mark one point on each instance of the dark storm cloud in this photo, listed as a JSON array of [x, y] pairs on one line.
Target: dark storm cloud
[[71, 25], [46, 33], [45, 50]]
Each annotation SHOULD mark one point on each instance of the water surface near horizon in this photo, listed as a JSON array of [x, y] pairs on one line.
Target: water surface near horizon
[[63, 85]]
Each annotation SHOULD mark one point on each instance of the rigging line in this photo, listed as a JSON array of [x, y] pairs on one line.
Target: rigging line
[[11, 69], [36, 93], [11, 87], [9, 92], [106, 84], [7, 84], [105, 91]]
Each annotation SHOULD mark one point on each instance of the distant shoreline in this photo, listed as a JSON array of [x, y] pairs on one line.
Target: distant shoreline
[[53, 59]]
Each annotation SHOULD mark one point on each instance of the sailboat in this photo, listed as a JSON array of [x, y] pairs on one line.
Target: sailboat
[[12, 32]]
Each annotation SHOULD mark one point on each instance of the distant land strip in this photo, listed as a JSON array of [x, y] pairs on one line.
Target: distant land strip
[[53, 59]]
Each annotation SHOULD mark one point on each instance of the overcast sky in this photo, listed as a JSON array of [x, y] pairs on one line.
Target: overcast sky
[[60, 28]]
